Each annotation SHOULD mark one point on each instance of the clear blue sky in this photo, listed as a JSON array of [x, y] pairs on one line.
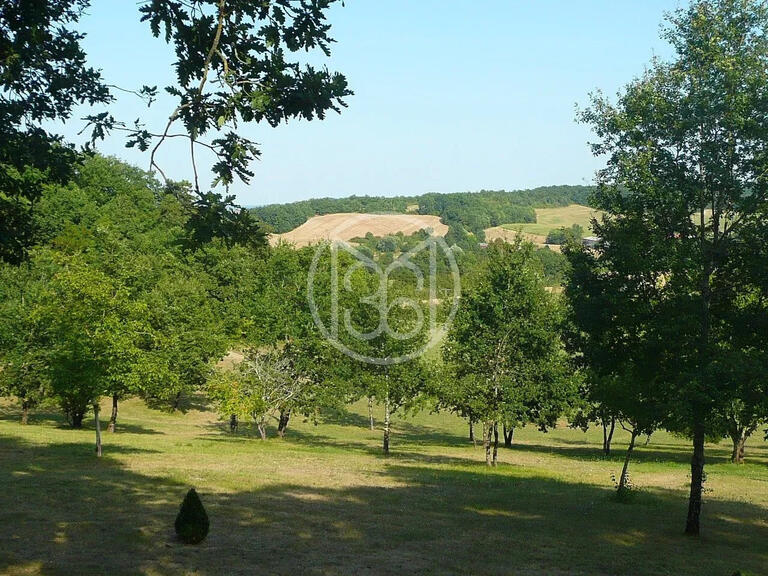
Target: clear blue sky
[[450, 95]]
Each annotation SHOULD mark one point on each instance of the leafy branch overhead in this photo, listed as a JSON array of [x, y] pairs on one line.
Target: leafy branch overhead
[[233, 65]]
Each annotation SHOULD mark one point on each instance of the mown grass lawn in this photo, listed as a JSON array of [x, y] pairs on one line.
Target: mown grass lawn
[[325, 501]]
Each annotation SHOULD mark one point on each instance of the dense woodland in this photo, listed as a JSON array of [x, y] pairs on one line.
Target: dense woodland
[[116, 282]]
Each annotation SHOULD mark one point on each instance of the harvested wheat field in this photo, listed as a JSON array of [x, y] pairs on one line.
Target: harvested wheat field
[[345, 226]]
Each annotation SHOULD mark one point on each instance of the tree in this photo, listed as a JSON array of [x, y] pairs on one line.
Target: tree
[[612, 297], [260, 387], [232, 65], [563, 235], [685, 183], [385, 326], [742, 353], [43, 76], [22, 359], [90, 337], [505, 347], [397, 387]]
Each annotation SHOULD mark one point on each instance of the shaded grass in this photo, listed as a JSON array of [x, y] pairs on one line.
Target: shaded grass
[[325, 501]]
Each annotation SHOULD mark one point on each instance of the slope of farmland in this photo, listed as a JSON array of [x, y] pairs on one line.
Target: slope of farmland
[[496, 232], [345, 226], [548, 219]]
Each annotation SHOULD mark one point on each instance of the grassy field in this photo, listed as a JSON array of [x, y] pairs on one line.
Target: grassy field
[[325, 501], [508, 235], [548, 219]]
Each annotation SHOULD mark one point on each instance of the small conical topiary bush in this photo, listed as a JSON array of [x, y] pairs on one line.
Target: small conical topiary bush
[[192, 521]]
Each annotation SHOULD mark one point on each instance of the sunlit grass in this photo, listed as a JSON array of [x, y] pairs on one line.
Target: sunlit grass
[[325, 501], [548, 219]]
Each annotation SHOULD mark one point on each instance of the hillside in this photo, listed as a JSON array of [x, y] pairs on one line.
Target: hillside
[[548, 219], [509, 234], [473, 212], [346, 226]]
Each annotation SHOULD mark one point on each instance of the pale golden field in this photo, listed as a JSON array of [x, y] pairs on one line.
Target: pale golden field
[[345, 226], [508, 235]]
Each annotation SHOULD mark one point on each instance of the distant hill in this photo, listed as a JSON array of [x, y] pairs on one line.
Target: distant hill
[[465, 213], [346, 226]]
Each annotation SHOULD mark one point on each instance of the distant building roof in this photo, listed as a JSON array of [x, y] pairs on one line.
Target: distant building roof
[[590, 241]]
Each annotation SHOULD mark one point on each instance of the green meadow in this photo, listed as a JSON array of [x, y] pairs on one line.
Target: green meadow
[[324, 500], [548, 219]]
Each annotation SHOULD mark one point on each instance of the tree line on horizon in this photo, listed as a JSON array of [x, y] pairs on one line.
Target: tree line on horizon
[[464, 212]]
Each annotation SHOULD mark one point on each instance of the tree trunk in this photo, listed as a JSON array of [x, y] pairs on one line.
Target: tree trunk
[[75, 418], [471, 431], [495, 443], [508, 435], [233, 423], [386, 425], [624, 477], [113, 418], [697, 479], [97, 422], [262, 429], [285, 416], [487, 432], [370, 413], [25, 406], [608, 435], [739, 439], [176, 402]]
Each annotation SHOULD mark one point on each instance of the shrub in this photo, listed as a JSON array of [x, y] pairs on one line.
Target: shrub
[[192, 521]]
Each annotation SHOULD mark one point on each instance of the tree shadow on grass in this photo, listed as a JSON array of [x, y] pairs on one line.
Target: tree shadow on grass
[[680, 454], [400, 452], [410, 432], [51, 417], [66, 512]]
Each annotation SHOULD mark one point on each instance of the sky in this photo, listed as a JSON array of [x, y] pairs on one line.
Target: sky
[[450, 95]]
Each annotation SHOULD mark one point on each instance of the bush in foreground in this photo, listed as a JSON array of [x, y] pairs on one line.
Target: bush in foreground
[[192, 521]]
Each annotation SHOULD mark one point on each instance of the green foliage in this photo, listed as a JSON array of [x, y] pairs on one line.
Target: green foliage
[[245, 48], [22, 360], [391, 243], [192, 522], [43, 77], [112, 305], [613, 334], [242, 47], [685, 193], [504, 346], [215, 216], [293, 377], [553, 266], [563, 235]]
